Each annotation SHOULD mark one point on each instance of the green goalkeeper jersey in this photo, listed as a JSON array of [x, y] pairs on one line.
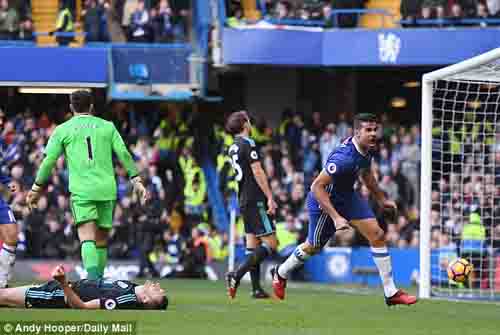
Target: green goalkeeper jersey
[[88, 143]]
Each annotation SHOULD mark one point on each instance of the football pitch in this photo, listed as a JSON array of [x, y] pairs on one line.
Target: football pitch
[[201, 307]]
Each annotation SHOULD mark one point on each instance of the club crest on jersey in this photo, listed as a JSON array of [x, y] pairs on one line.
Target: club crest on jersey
[[122, 284], [253, 154], [110, 304], [331, 168]]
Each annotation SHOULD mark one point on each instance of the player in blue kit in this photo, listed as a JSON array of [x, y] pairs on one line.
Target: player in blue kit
[[333, 204], [8, 225]]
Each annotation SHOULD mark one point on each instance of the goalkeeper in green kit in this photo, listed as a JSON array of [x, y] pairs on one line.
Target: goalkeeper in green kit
[[88, 143]]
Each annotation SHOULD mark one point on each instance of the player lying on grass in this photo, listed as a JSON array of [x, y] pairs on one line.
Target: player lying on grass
[[333, 204], [85, 294]]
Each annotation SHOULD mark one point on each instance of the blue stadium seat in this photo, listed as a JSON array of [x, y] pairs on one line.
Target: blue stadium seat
[[472, 246], [140, 73]]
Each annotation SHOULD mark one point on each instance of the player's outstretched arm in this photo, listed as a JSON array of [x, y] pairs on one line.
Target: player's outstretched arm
[[128, 163], [4, 185], [124, 156], [261, 178], [72, 298], [53, 150], [318, 188], [140, 189], [372, 185]]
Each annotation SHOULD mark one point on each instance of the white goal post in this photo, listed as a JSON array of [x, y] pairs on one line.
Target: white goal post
[[460, 117]]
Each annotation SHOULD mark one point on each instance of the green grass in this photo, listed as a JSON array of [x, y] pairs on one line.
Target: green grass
[[201, 307]]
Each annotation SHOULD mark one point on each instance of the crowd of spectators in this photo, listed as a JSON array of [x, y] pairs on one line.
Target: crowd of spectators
[[149, 21], [163, 233], [156, 21], [15, 20], [296, 12], [414, 13], [176, 234], [465, 213], [166, 21], [294, 154], [450, 13], [141, 21]]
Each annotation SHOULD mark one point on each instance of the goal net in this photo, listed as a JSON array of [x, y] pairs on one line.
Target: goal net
[[460, 178]]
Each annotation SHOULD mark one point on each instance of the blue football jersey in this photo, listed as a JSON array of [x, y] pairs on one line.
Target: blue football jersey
[[4, 179], [344, 165]]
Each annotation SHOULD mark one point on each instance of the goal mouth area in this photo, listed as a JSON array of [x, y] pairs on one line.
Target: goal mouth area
[[465, 295], [460, 178]]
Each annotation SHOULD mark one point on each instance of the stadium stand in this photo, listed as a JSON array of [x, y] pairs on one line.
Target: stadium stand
[[15, 20], [169, 21], [181, 215], [371, 14], [75, 22], [181, 225]]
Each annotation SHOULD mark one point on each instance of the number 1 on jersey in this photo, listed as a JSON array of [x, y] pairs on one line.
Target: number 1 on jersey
[[89, 148]]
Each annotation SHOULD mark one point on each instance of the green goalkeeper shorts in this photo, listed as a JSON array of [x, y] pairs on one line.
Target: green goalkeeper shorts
[[99, 211]]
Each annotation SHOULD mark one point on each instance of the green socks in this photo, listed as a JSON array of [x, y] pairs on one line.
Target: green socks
[[90, 259], [102, 260]]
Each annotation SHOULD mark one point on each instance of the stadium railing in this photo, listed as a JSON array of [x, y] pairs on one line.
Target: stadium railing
[[61, 34], [17, 43], [450, 22], [137, 45], [296, 22], [383, 13], [221, 12]]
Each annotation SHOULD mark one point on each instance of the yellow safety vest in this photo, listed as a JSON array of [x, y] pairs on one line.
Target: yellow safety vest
[[60, 20], [285, 236], [169, 142], [218, 251], [436, 131], [455, 142], [186, 163], [283, 126], [259, 137], [195, 198], [190, 171], [490, 130], [474, 230], [222, 160]]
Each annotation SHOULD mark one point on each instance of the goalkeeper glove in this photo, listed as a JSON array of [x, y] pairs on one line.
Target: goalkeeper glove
[[140, 190], [33, 196]]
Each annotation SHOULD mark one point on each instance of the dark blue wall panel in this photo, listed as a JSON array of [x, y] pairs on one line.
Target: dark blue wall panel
[[276, 47], [35, 64], [395, 47], [166, 64]]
